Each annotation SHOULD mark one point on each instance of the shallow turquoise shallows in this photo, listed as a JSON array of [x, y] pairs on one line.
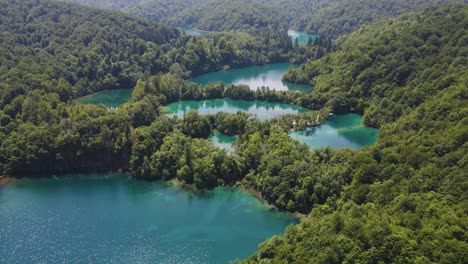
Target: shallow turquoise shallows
[[223, 141], [114, 219], [110, 98], [193, 32], [302, 37], [262, 110], [255, 76], [338, 132]]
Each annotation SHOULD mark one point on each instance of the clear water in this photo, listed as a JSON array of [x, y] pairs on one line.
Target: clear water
[[110, 98], [302, 37], [338, 132], [262, 110], [255, 76], [193, 32], [223, 141], [114, 219]]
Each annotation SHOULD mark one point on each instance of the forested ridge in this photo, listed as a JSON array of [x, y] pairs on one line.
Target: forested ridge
[[325, 17], [343, 16], [402, 200], [156, 10], [75, 50], [53, 52]]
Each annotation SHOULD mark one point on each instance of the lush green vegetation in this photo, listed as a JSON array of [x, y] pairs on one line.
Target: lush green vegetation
[[402, 200], [53, 52], [72, 50], [335, 18], [425, 53], [327, 17], [156, 10]]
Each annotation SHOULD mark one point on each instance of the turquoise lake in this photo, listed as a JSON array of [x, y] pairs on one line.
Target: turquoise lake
[[110, 98], [111, 218], [223, 141], [303, 37], [255, 76], [338, 132], [262, 110]]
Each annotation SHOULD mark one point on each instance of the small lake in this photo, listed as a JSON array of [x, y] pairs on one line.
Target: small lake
[[110, 98], [337, 132], [255, 76], [262, 110], [193, 31], [303, 37], [223, 141], [111, 218]]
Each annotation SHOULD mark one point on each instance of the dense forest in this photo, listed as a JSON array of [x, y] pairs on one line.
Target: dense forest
[[54, 52], [326, 17], [331, 18], [73, 50], [156, 10], [402, 200], [343, 16]]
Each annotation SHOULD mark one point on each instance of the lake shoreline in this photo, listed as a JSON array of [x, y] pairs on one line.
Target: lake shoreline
[[155, 216], [239, 186], [254, 76], [112, 98], [337, 131], [263, 110], [259, 196], [5, 179]]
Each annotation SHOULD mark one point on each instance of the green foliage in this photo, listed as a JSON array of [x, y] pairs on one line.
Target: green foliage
[[84, 138], [193, 161], [53, 52], [425, 53], [194, 125], [47, 46], [231, 124], [404, 199], [327, 17], [72, 50], [335, 18], [147, 141]]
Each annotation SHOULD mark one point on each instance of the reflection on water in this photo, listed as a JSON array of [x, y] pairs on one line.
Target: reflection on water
[[339, 131], [262, 110], [114, 219]]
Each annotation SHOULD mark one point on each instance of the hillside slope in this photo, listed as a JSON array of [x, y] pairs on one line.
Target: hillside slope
[[407, 195], [53, 52], [326, 17], [75, 50]]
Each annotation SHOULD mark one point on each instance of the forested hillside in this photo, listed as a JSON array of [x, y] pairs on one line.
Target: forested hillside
[[343, 16], [74, 50], [110, 4], [404, 199], [327, 17], [53, 52], [241, 14], [156, 10]]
